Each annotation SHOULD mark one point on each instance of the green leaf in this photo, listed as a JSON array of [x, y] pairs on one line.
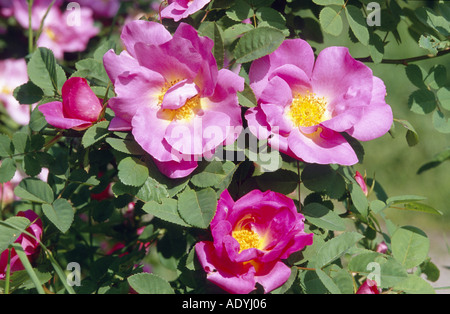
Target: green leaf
[[422, 101], [197, 208], [359, 199], [127, 146], [247, 97], [132, 171], [401, 199], [419, 207], [214, 32], [92, 70], [28, 93], [34, 190], [257, 43], [281, 181], [145, 283], [336, 247], [10, 230], [328, 282], [376, 48], [414, 285], [410, 246], [6, 146], [323, 217], [416, 75], [31, 164], [273, 18], [152, 190], [60, 213], [440, 122], [412, 137], [21, 142], [329, 2], [373, 265], [322, 178], [437, 160], [37, 120], [240, 11], [7, 170], [167, 211], [95, 133], [45, 73], [443, 95], [358, 24], [331, 21]]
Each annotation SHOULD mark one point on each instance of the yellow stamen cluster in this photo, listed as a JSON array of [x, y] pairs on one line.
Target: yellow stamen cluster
[[247, 239], [50, 33], [307, 110], [186, 112]]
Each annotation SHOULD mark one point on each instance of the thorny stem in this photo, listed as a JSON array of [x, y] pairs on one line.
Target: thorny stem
[[299, 185]]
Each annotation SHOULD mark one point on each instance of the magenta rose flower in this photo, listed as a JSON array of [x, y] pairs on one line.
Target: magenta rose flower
[[172, 96], [305, 105], [79, 109], [250, 238], [29, 244], [181, 9], [368, 287]]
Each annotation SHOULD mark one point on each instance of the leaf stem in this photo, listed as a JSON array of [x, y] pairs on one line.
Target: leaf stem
[[30, 26]]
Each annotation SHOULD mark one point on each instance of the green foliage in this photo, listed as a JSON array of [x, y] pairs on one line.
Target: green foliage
[[104, 191]]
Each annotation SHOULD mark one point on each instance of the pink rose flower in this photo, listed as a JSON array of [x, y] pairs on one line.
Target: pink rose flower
[[13, 73], [62, 34], [170, 87], [181, 9], [39, 8], [103, 8], [368, 287], [362, 182], [250, 238], [79, 109], [6, 8], [382, 247], [29, 244], [305, 105]]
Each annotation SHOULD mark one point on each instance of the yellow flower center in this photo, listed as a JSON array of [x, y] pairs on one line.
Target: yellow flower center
[[307, 110], [247, 239], [186, 112], [6, 90], [51, 34]]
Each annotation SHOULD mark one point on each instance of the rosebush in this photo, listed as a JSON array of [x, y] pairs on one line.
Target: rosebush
[[211, 146]]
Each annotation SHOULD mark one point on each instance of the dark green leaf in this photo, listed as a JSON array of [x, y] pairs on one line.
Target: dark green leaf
[[257, 43], [95, 133], [7, 170], [323, 217], [145, 283], [28, 93], [132, 171], [197, 208], [167, 211], [358, 24], [10, 230], [60, 213], [34, 190]]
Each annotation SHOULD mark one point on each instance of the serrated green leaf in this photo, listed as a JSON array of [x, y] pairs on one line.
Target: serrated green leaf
[[197, 208], [247, 97], [321, 178], [335, 248], [60, 213], [21, 142], [257, 43], [376, 48], [95, 133], [410, 246], [44, 72], [437, 160], [443, 95], [401, 199], [32, 165], [422, 101], [126, 146], [281, 181], [10, 230], [323, 217], [328, 282], [331, 21], [358, 24], [240, 11], [414, 284], [6, 146], [28, 93], [167, 210], [359, 199], [440, 122], [329, 2], [132, 171], [34, 190], [145, 283], [7, 170], [416, 75]]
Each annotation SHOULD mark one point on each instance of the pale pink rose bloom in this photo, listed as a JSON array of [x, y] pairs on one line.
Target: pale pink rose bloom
[[40, 7], [13, 73], [62, 32]]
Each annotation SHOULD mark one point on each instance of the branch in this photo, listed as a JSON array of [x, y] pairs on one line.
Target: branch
[[407, 60]]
